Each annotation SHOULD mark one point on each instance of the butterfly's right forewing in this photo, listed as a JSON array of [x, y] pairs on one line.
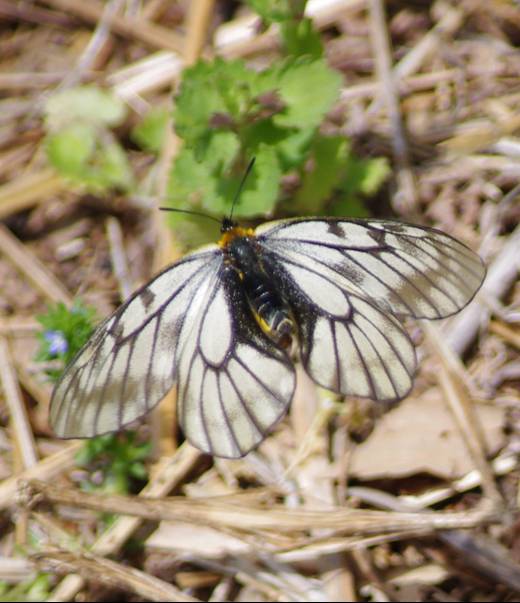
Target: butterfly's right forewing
[[401, 268], [348, 280]]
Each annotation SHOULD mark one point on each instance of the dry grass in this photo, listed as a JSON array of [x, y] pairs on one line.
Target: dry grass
[[343, 502]]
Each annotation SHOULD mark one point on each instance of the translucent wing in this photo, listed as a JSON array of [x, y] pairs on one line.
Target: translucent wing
[[347, 344], [234, 385], [346, 282], [129, 363], [404, 269], [190, 325]]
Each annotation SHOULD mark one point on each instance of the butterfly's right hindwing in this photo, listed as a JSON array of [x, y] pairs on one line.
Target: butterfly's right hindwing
[[347, 344]]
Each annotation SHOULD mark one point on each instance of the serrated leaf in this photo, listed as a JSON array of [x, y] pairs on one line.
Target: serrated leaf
[[376, 173], [70, 148], [221, 152], [211, 186], [88, 104], [301, 38], [193, 109], [328, 157], [295, 147], [263, 132], [190, 181], [209, 89], [351, 206], [364, 176], [194, 181], [149, 134], [260, 193], [361, 177], [309, 89]]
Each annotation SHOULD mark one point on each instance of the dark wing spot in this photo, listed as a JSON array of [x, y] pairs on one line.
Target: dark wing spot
[[147, 297], [335, 229], [354, 275], [117, 331], [378, 236], [398, 227]]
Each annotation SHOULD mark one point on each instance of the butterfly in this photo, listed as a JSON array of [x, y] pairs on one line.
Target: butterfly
[[226, 324]]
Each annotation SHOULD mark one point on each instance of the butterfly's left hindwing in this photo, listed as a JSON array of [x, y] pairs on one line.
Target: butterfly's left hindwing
[[234, 384], [347, 344]]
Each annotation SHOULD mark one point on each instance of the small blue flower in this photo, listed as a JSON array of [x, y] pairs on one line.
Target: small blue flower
[[57, 342]]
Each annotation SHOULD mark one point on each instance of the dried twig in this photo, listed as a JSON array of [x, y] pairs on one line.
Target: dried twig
[[33, 270], [451, 20], [28, 190], [47, 469], [277, 518], [501, 275], [406, 194], [97, 569], [197, 27], [20, 425], [17, 570], [463, 412], [481, 553], [166, 475], [138, 29], [99, 39]]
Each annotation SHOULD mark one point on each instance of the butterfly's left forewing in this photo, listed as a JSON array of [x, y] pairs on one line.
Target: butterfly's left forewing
[[128, 364], [190, 325]]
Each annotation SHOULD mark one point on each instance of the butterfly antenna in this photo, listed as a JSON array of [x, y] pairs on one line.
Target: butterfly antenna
[[240, 188], [190, 212]]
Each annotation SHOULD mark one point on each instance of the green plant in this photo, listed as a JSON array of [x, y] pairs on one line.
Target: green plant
[[227, 112], [33, 589], [63, 333], [150, 132], [114, 460], [79, 141], [246, 113]]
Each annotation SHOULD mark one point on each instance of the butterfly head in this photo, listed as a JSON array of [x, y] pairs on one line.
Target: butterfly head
[[227, 225], [231, 230]]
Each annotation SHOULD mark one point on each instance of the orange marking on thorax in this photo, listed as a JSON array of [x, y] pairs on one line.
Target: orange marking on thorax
[[234, 233]]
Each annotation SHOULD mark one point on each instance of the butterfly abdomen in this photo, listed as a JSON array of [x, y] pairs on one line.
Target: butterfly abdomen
[[269, 309]]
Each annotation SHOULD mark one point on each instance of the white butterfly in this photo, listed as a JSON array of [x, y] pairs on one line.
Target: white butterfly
[[224, 322]]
